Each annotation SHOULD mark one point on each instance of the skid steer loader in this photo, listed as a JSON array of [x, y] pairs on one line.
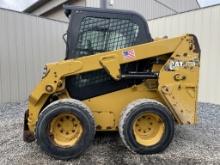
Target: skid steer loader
[[115, 77]]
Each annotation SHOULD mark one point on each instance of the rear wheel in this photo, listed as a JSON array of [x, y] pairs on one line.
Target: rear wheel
[[65, 128], [146, 126]]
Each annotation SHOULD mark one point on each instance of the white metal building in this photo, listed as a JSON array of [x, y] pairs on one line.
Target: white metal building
[[28, 42], [52, 9], [150, 9]]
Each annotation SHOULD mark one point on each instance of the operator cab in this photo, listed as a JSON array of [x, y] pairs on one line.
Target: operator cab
[[95, 30]]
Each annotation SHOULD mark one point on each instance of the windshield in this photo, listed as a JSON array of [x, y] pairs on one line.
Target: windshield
[[100, 35]]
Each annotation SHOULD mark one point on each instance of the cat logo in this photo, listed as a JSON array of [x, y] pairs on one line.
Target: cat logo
[[173, 65]]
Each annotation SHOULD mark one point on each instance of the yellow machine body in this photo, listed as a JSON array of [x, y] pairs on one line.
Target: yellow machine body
[[176, 86]]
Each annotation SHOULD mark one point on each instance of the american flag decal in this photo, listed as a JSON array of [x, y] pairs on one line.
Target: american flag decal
[[129, 54]]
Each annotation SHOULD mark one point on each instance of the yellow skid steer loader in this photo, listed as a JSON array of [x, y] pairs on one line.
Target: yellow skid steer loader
[[115, 77]]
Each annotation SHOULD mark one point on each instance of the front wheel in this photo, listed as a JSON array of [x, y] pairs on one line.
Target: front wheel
[[65, 128], [146, 126]]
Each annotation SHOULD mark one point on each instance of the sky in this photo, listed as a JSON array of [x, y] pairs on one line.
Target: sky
[[20, 5], [204, 3]]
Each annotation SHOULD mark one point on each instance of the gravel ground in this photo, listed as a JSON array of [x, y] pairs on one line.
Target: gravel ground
[[198, 144]]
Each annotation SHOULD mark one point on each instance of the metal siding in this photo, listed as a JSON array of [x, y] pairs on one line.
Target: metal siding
[[58, 13], [205, 24], [181, 5], [148, 8], [47, 6], [26, 44]]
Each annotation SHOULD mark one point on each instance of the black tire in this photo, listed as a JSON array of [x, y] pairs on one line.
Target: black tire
[[127, 120], [82, 112]]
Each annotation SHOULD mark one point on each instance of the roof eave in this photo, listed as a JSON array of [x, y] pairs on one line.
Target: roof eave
[[35, 5]]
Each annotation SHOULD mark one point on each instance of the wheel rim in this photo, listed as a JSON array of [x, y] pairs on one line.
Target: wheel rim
[[65, 130], [148, 129]]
